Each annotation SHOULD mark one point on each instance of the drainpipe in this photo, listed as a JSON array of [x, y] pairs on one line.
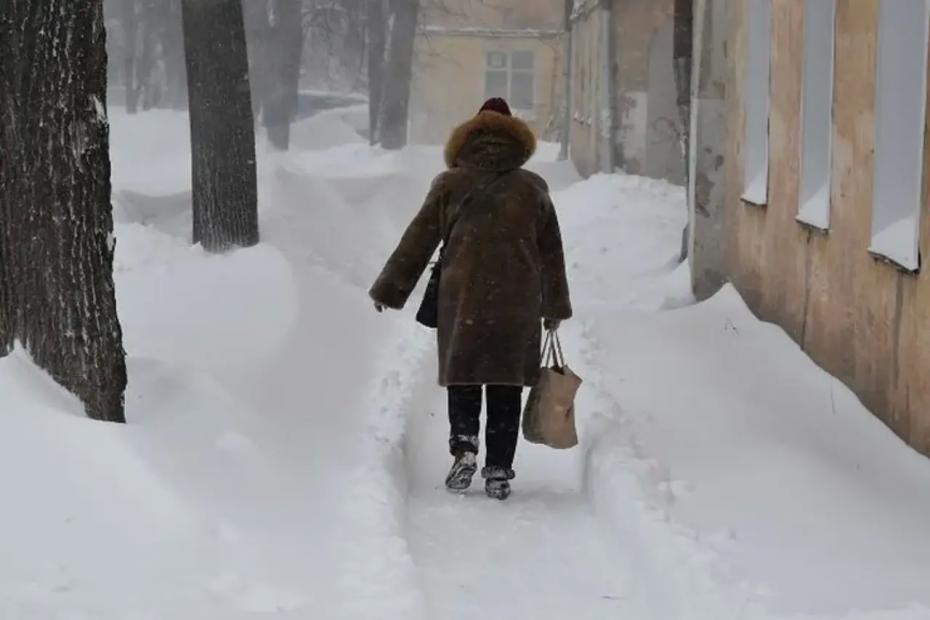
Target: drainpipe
[[567, 77], [682, 58], [682, 53], [608, 95]]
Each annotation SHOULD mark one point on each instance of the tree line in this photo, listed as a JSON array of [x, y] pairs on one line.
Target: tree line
[[230, 62]]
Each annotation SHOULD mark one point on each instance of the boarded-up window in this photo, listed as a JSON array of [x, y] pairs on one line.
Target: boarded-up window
[[900, 113], [817, 112], [756, 96], [512, 75]]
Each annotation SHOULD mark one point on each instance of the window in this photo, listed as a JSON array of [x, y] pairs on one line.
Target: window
[[817, 113], [900, 113], [756, 138], [512, 75]]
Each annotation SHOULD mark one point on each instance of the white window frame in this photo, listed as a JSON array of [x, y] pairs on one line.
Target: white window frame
[[756, 101], [817, 113], [897, 200], [526, 113]]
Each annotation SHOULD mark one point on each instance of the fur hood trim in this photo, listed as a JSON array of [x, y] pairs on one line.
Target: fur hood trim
[[490, 141]]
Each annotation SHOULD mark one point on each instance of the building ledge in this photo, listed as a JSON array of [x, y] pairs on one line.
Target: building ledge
[[501, 33], [746, 200], [878, 257], [812, 227]]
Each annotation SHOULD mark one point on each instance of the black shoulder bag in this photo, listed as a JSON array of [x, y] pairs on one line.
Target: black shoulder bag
[[428, 314]]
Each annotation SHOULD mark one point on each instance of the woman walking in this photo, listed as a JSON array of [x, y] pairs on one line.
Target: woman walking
[[502, 272]]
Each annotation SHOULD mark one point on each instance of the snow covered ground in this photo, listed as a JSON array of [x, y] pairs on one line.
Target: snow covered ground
[[285, 447]]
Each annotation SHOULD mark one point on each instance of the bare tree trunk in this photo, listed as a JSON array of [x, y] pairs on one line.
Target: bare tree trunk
[[396, 97], [222, 127], [146, 89], [130, 21], [376, 46], [56, 227], [258, 42], [286, 52], [176, 95]]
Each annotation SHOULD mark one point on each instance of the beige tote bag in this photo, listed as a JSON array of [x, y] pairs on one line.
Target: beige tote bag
[[549, 417]]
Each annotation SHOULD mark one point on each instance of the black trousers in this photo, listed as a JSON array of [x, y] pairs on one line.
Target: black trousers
[[501, 433]]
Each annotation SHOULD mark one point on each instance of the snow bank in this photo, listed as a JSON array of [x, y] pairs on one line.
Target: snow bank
[[381, 579], [736, 478], [775, 469], [228, 490], [326, 130], [168, 310], [612, 259]]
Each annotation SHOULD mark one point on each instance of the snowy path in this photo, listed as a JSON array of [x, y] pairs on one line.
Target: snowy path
[[538, 555], [543, 553]]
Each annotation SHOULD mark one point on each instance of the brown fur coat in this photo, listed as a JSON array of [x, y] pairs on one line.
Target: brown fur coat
[[503, 267]]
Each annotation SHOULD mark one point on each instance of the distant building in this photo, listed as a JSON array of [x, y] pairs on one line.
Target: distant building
[[814, 202], [467, 51], [624, 104]]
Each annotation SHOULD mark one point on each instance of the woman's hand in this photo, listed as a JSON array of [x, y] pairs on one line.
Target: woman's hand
[[551, 324]]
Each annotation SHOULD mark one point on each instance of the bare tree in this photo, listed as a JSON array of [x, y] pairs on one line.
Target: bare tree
[[173, 51], [396, 96], [148, 89], [335, 48], [222, 127], [377, 42], [129, 20], [286, 49], [258, 39], [56, 227], [152, 53], [275, 35]]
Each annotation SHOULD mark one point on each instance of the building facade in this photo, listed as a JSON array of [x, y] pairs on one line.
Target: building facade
[[468, 51], [624, 98], [823, 191]]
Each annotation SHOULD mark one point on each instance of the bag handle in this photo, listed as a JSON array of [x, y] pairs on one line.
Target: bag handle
[[553, 349], [547, 349]]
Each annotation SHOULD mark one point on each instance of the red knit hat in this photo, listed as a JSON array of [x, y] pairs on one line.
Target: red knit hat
[[496, 104]]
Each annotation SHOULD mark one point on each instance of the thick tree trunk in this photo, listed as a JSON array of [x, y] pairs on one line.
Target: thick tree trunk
[[399, 74], [376, 46], [56, 226], [286, 52], [222, 128]]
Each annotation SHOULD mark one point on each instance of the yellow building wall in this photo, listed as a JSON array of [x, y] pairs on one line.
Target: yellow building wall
[[644, 130], [860, 318], [587, 92], [449, 84]]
